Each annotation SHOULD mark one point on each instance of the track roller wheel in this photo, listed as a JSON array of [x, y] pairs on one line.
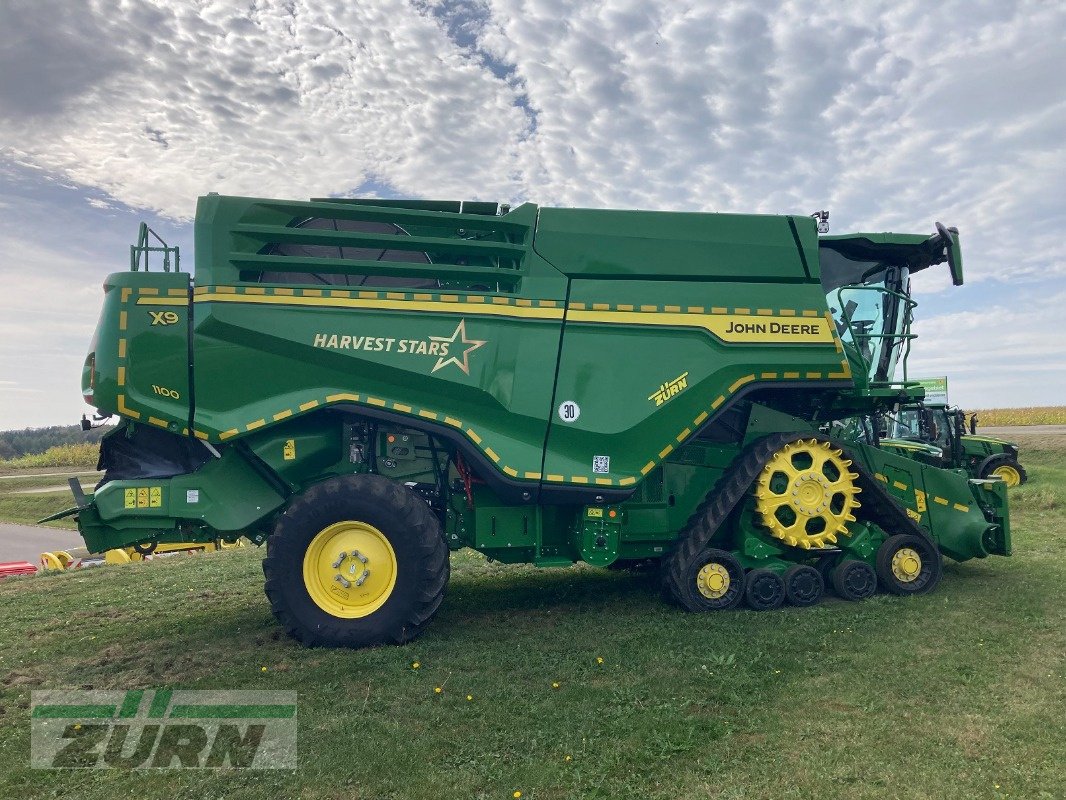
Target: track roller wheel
[[765, 590], [908, 565], [714, 582], [804, 585], [854, 580]]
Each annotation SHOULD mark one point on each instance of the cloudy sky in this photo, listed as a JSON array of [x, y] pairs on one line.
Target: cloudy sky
[[889, 114]]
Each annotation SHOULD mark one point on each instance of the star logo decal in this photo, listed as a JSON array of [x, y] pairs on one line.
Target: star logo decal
[[470, 344]]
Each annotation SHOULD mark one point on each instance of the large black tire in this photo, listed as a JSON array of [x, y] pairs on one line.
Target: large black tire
[[421, 562], [764, 590], [804, 585], [928, 575], [854, 580], [1005, 468]]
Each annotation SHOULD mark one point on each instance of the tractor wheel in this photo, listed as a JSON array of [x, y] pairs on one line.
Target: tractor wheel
[[145, 548], [803, 585], [764, 590], [908, 565], [713, 581], [854, 580], [1007, 470], [355, 561]]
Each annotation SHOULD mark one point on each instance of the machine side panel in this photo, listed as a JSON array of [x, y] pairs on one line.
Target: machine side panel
[[645, 364], [481, 364], [140, 360]]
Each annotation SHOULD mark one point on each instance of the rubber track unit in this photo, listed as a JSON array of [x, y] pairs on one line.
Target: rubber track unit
[[876, 506]]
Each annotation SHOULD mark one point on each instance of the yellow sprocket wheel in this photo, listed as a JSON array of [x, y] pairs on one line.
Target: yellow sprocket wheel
[[805, 494]]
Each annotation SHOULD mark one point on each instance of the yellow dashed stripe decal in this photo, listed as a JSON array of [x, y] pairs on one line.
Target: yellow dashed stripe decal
[[478, 440], [619, 313], [386, 301], [714, 319], [920, 496], [153, 296]]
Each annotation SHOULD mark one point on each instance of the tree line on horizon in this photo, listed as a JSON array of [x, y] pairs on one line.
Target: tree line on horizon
[[31, 441]]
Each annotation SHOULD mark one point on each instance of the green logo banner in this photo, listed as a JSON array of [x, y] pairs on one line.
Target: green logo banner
[[162, 729], [936, 389]]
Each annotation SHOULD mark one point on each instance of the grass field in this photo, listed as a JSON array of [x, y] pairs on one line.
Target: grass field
[[958, 694], [31, 494]]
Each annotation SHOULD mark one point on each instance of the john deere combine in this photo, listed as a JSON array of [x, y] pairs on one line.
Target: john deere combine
[[366, 384]]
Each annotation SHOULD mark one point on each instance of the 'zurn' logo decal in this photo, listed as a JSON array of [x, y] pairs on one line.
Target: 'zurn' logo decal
[[669, 389], [162, 729]]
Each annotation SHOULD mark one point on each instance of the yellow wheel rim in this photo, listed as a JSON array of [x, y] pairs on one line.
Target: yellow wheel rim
[[51, 561], [906, 564], [805, 495], [1008, 474], [350, 569], [713, 581]]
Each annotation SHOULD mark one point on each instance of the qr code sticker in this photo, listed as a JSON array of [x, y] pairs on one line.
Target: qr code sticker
[[601, 465]]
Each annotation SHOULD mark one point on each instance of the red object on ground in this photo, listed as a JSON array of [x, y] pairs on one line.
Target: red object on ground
[[16, 568]]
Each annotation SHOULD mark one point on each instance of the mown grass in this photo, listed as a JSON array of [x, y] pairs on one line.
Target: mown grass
[[1032, 415], [958, 694]]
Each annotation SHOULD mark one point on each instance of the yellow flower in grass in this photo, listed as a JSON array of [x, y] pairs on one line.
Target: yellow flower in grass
[[568, 758], [469, 697], [599, 659], [517, 794], [415, 665], [555, 684], [438, 689]]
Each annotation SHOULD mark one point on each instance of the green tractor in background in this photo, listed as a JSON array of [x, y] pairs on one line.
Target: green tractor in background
[[936, 433], [365, 385]]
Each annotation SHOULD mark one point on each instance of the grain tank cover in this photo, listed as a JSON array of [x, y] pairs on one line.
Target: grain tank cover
[[683, 246]]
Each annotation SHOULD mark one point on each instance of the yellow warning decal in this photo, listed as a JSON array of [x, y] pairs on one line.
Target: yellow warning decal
[[143, 497], [289, 450], [595, 513]]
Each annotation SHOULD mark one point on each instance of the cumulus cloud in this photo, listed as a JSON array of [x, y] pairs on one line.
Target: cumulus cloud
[[286, 99], [999, 355], [891, 114]]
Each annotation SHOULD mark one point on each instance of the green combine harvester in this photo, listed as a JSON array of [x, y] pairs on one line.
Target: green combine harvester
[[367, 384], [936, 433]]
